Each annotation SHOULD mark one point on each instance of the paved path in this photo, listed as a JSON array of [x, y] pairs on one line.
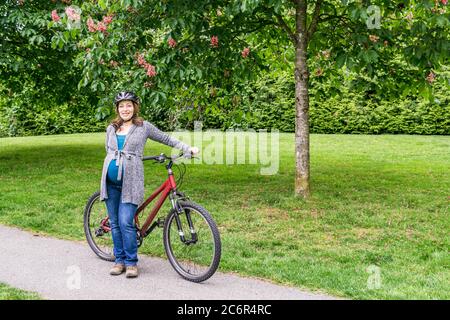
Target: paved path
[[50, 267]]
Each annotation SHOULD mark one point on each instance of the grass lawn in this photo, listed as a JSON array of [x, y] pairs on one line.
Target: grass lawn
[[9, 293], [379, 209]]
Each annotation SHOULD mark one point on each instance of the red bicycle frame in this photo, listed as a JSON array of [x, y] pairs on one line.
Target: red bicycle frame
[[166, 188]]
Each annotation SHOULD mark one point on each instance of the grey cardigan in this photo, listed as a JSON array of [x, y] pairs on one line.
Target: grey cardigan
[[130, 158]]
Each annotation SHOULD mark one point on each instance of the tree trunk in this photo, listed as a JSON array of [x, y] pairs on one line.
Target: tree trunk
[[301, 74]]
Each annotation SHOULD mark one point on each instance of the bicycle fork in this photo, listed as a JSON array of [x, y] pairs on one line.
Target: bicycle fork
[[179, 211]]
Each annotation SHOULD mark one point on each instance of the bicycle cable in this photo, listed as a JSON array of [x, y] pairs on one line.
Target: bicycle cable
[[179, 181]]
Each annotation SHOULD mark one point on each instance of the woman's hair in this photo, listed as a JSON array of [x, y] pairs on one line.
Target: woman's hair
[[118, 121]]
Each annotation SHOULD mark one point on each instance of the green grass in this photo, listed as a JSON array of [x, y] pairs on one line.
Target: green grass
[[376, 201], [9, 293]]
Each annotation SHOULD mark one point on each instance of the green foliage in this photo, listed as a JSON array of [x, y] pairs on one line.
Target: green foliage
[[271, 103], [353, 107], [268, 102], [361, 36], [32, 112], [27, 52], [10, 293], [353, 114], [73, 68]]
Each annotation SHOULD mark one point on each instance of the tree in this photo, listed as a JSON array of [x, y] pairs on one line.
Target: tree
[[154, 46], [352, 33], [28, 57]]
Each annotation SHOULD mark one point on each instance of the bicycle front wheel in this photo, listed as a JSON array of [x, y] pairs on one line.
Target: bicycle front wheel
[[192, 242]]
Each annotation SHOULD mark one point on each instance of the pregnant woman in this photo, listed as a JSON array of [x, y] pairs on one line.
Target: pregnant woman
[[122, 185]]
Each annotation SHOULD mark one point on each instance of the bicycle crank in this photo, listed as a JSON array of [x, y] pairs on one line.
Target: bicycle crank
[[139, 238]]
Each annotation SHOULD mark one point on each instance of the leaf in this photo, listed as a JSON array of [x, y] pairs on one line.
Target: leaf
[[372, 55], [94, 85], [277, 7], [199, 73], [66, 35], [441, 21], [340, 60], [73, 33], [102, 4]]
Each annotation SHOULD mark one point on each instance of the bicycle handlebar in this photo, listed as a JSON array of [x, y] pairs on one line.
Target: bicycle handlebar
[[162, 157]]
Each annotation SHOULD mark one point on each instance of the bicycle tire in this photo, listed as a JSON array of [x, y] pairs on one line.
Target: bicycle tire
[[88, 232], [170, 226]]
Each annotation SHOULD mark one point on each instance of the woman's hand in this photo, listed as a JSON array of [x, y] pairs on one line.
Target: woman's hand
[[194, 150]]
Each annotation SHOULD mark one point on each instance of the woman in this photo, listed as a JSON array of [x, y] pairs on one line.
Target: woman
[[122, 185]]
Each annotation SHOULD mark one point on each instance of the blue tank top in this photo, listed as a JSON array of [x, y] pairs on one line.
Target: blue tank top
[[113, 169]]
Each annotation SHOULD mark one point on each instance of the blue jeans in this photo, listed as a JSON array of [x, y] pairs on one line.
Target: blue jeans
[[123, 228]]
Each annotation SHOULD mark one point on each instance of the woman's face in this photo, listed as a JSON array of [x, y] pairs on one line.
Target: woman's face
[[126, 109]]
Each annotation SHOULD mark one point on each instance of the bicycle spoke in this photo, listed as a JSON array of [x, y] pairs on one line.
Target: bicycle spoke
[[98, 213], [195, 258]]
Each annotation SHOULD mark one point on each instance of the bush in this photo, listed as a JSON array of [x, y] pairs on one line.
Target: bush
[[265, 103], [354, 114], [19, 116]]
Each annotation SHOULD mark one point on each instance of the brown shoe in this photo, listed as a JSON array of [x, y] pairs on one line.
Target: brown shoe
[[132, 272], [117, 269]]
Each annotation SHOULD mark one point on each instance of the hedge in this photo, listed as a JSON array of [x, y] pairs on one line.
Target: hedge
[[265, 103]]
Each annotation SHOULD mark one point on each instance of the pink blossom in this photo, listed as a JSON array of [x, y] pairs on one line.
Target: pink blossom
[[113, 63], [172, 43], [326, 54], [91, 25], [374, 38], [72, 14], [55, 16], [151, 70], [444, 2], [214, 41], [101, 26], [431, 76], [141, 60], [107, 19], [245, 52]]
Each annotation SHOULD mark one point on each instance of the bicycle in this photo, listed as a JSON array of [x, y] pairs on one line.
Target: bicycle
[[194, 255]]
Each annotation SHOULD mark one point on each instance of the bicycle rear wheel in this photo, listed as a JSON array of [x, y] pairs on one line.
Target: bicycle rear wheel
[[96, 228], [192, 242]]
